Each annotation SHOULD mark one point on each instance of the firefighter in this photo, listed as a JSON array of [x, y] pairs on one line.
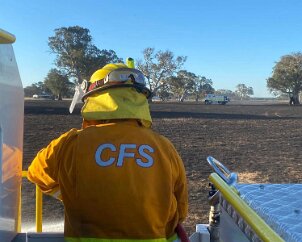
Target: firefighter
[[118, 179]]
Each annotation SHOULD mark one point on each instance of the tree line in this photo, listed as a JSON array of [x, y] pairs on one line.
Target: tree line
[[77, 58]]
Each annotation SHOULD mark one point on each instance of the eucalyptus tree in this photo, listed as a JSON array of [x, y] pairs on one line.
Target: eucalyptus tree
[[287, 76], [76, 55], [202, 86], [243, 91], [182, 84], [57, 83], [159, 66]]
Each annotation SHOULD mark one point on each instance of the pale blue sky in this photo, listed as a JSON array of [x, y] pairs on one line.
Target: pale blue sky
[[230, 42]]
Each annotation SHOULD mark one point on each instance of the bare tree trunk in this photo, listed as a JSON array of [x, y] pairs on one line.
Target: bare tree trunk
[[296, 98]]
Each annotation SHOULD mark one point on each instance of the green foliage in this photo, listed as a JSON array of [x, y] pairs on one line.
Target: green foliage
[[164, 93], [58, 83], [165, 78], [182, 84], [189, 84], [202, 86], [243, 91], [36, 88], [76, 56], [287, 75], [226, 92], [31, 90], [159, 66]]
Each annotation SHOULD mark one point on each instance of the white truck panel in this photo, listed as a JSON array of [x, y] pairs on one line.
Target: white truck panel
[[11, 139], [216, 99]]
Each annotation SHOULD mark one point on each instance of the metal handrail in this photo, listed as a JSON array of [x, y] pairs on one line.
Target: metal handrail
[[229, 177], [39, 204]]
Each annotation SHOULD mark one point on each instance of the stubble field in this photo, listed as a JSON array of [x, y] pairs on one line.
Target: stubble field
[[262, 143]]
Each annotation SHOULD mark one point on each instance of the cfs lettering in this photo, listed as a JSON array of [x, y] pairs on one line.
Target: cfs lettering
[[125, 151]]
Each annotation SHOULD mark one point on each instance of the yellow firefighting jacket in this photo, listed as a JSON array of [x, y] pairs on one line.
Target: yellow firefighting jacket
[[117, 181]]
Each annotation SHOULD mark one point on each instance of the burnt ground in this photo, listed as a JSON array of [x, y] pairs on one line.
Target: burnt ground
[[262, 143]]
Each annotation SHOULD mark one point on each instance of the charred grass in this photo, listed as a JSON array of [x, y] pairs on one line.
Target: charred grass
[[262, 143]]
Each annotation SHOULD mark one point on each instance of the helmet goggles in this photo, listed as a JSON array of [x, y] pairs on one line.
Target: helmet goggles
[[122, 77]]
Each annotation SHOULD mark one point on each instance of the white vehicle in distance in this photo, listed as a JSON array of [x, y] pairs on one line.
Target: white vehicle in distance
[[43, 96], [216, 99]]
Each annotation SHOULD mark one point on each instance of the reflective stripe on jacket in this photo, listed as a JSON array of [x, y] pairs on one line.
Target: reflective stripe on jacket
[[117, 180]]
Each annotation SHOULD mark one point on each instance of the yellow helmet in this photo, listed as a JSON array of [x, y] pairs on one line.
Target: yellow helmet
[[115, 76]]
